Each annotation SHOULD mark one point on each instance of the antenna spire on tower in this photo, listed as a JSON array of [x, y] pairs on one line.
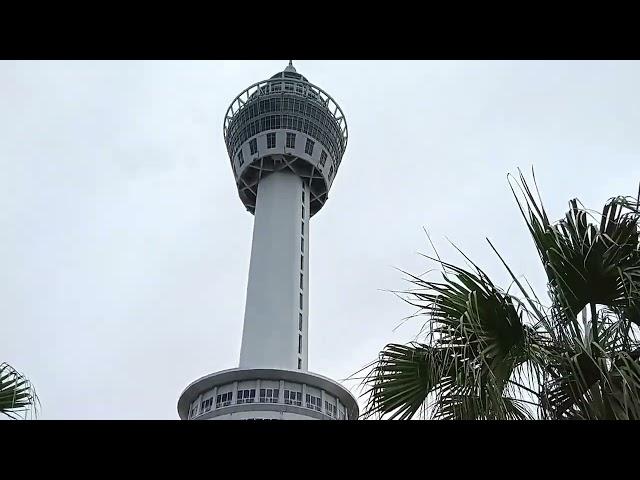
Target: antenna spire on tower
[[290, 67]]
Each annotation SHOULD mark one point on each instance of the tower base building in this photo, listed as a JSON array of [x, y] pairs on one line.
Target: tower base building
[[266, 393]]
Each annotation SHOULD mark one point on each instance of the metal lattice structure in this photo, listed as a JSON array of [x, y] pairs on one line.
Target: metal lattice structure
[[285, 103]]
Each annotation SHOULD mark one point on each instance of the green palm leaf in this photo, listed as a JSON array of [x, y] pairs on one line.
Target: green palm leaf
[[490, 355], [17, 395], [477, 340], [588, 264]]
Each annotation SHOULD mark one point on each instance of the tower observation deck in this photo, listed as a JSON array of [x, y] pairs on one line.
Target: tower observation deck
[[285, 138]]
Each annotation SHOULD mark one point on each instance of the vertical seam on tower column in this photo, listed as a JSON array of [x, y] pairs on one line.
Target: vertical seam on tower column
[[299, 355]]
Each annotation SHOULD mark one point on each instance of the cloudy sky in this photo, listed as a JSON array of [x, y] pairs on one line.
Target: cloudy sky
[[124, 249]]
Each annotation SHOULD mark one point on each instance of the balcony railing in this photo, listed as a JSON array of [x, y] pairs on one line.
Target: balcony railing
[[295, 87]]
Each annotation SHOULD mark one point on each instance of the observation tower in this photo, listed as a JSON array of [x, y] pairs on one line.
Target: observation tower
[[285, 138]]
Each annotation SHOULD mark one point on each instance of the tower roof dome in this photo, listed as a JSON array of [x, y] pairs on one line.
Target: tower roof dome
[[289, 72]]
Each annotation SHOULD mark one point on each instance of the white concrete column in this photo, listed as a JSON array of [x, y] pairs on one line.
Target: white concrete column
[[279, 249]]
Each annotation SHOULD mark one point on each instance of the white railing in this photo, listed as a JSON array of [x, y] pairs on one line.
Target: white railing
[[301, 88]]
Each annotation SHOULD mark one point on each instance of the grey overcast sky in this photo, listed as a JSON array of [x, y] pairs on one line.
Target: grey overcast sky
[[124, 249]]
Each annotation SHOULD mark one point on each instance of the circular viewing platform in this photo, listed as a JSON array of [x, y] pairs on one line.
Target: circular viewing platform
[[285, 122]]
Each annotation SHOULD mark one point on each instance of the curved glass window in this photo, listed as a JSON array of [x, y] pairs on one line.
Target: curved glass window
[[287, 111]]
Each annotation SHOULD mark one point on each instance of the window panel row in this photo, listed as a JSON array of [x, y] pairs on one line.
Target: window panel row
[[270, 395], [328, 134]]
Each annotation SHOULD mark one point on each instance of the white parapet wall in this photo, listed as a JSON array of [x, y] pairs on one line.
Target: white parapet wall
[[276, 394]]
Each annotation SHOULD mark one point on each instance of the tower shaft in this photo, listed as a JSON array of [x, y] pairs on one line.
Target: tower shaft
[[276, 311]]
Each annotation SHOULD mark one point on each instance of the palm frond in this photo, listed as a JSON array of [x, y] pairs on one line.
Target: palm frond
[[587, 263], [17, 395], [489, 355], [401, 380], [477, 338]]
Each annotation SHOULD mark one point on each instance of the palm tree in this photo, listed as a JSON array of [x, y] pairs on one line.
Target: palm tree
[[490, 354], [17, 395]]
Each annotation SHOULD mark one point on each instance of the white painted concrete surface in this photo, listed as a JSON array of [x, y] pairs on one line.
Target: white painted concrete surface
[[272, 309]]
